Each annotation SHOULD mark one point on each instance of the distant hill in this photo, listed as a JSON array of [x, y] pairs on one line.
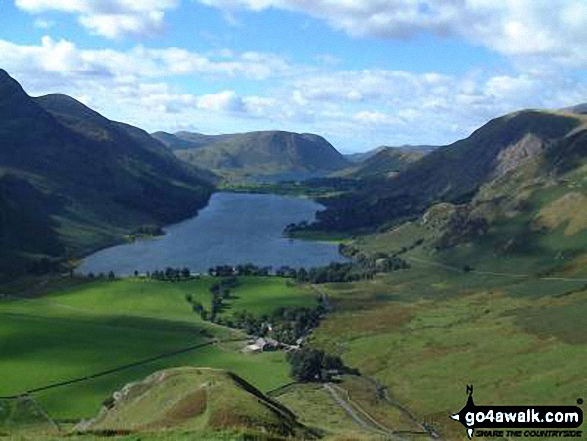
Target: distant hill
[[72, 181], [269, 155], [496, 163], [580, 109], [188, 140], [363, 156], [195, 400], [386, 162]]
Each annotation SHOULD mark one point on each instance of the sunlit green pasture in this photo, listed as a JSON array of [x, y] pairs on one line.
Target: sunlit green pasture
[[82, 329]]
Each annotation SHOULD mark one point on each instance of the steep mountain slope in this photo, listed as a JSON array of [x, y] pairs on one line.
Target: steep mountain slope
[[89, 123], [193, 399], [456, 173], [85, 180], [387, 162], [270, 155]]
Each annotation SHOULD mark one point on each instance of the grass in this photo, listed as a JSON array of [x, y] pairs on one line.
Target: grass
[[177, 435], [513, 324], [261, 295], [193, 399], [515, 349], [316, 409], [85, 328]]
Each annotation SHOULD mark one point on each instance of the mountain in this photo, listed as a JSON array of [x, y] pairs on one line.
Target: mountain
[[72, 181], [497, 162], [386, 162], [363, 156], [195, 400], [188, 140], [269, 155], [356, 158], [580, 109]]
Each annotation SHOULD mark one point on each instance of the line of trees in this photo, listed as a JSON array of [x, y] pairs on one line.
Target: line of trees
[[362, 268], [170, 275], [247, 269], [219, 293], [111, 276]]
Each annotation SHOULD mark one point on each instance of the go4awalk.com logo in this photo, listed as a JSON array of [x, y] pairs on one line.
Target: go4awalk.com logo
[[516, 421]]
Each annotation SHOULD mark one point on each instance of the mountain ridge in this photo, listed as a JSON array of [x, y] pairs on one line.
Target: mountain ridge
[[386, 162], [456, 172], [270, 154], [93, 180]]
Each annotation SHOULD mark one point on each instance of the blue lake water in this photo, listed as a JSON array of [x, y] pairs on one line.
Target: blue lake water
[[232, 229]]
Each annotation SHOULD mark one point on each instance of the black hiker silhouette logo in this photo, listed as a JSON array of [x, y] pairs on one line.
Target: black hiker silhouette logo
[[469, 409]]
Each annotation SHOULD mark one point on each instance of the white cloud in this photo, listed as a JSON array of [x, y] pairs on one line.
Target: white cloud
[[376, 118], [354, 108], [556, 30], [139, 62], [225, 101], [109, 18]]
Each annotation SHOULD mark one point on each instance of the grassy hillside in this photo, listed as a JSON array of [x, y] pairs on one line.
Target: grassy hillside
[[427, 335], [386, 163], [357, 158], [456, 173], [270, 155], [193, 399], [495, 295], [79, 181], [579, 109]]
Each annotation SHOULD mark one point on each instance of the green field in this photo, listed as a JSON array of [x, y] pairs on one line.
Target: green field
[[80, 329], [261, 295]]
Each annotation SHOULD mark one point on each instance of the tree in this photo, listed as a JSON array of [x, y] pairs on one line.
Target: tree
[[111, 275], [198, 308], [186, 273], [306, 365], [333, 362]]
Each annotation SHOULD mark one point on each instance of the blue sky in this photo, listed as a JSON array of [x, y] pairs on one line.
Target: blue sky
[[362, 73]]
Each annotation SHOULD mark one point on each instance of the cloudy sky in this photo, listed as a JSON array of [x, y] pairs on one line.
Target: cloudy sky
[[362, 73]]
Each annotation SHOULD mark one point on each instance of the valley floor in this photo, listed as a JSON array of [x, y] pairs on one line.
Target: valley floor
[[418, 337]]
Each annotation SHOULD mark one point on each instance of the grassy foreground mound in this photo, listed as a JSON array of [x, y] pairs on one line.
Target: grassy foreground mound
[[193, 399]]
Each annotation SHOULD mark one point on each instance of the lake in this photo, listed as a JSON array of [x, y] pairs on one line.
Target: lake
[[233, 229]]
